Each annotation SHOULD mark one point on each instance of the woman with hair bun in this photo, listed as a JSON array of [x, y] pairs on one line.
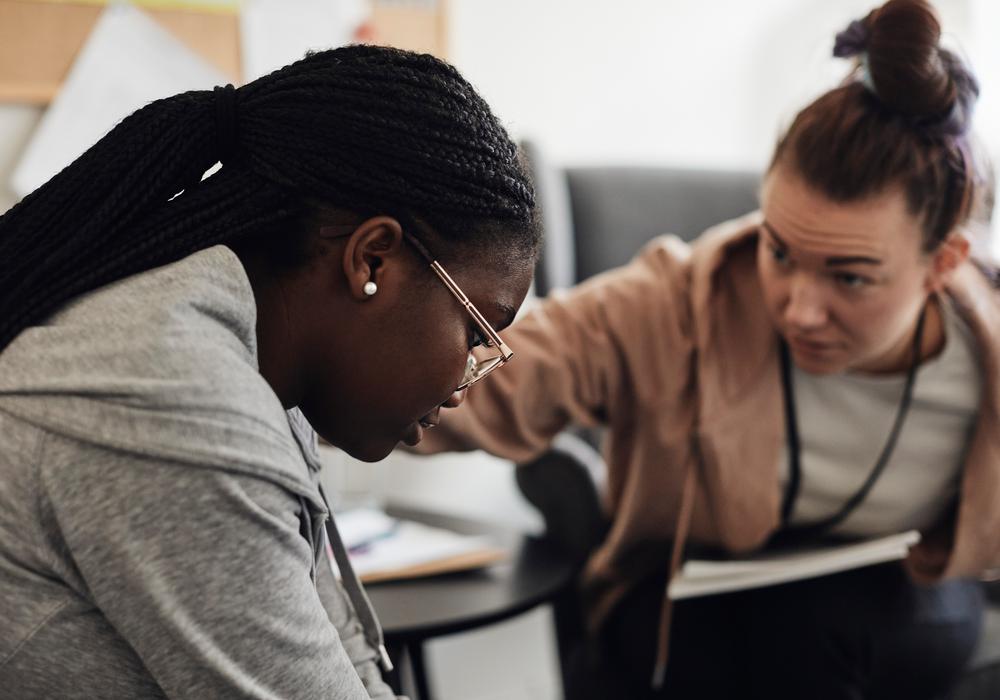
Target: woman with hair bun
[[826, 367]]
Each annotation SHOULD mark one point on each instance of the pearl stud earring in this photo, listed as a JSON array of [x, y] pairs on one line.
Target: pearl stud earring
[[370, 288]]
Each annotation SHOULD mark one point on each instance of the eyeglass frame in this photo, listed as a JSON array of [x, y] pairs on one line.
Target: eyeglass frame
[[484, 326]]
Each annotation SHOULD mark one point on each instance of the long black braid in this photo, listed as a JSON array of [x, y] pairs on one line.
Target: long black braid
[[362, 128]]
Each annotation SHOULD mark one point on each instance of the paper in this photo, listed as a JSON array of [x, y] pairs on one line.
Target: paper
[[274, 33], [127, 62], [361, 526], [701, 577], [382, 548]]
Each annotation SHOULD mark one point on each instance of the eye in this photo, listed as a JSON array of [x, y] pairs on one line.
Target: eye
[[780, 255], [478, 339], [852, 281]]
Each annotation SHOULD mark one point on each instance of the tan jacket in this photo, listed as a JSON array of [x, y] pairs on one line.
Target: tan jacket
[[676, 354]]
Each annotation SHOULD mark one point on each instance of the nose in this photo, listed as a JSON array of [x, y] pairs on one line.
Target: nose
[[456, 399], [805, 308]]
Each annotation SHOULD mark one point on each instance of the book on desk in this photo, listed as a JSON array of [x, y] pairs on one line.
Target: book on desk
[[384, 548]]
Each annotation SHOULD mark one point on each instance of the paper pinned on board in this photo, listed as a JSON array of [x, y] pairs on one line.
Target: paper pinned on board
[[708, 577], [274, 33], [127, 61]]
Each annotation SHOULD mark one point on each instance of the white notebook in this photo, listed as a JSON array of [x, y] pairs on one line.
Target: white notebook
[[707, 577], [384, 548]]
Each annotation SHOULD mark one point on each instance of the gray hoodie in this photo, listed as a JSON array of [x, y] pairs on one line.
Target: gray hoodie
[[161, 523]]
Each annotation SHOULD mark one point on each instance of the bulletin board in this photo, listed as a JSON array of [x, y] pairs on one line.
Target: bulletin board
[[39, 39]]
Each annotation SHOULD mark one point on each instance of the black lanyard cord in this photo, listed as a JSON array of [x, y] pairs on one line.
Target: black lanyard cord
[[795, 446]]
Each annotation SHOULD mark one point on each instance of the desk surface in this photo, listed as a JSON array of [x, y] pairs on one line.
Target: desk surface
[[418, 609]]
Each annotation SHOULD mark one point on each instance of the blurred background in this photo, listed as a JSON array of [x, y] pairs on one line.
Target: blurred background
[[705, 83], [694, 84]]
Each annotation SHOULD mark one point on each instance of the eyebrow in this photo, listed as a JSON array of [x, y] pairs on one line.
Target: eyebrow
[[835, 261]]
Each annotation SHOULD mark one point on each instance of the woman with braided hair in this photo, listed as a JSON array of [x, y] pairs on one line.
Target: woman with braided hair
[[168, 340], [827, 367]]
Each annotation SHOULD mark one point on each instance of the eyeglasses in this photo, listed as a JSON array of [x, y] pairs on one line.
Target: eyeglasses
[[484, 358]]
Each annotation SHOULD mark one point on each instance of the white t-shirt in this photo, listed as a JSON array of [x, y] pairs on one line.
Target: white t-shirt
[[844, 422]]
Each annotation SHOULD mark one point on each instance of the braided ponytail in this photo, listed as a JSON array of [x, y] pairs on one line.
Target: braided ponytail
[[363, 128]]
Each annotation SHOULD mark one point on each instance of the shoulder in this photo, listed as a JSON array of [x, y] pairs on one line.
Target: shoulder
[[729, 245], [161, 364], [976, 298], [975, 293], [191, 321]]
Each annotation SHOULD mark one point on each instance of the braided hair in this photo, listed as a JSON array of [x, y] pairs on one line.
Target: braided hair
[[361, 128]]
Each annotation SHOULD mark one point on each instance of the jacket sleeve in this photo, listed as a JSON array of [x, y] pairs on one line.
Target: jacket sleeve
[[207, 576], [595, 353]]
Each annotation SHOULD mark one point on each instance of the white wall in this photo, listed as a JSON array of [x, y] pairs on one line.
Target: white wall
[[688, 82], [679, 82], [984, 51]]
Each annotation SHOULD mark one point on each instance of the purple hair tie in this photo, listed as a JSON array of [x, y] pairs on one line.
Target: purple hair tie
[[958, 121], [852, 41]]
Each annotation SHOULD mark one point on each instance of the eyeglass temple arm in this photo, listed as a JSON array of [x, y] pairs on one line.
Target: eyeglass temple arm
[[459, 294], [470, 307]]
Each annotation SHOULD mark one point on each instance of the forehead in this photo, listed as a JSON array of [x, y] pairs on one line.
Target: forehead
[[806, 220]]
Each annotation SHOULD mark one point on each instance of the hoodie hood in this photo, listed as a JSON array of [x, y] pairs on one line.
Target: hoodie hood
[[162, 364]]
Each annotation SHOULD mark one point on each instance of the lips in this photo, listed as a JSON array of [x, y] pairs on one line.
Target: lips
[[811, 346], [415, 431], [414, 434]]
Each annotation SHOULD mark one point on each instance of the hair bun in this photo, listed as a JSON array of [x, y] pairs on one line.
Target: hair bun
[[910, 72]]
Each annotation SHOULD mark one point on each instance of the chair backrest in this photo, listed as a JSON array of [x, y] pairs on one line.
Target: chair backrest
[[617, 210], [597, 218]]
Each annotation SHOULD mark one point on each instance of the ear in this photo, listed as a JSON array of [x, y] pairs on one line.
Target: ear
[[952, 252], [373, 242]]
